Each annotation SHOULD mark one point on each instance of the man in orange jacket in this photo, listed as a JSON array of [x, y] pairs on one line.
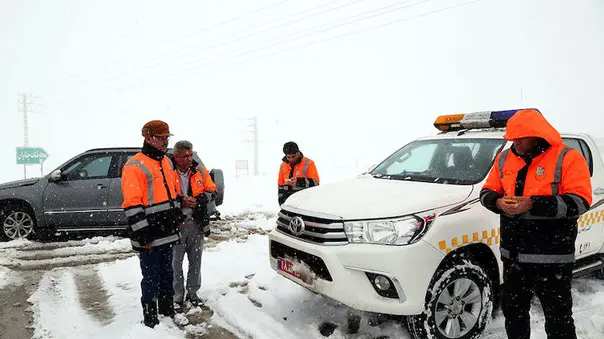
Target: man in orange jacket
[[539, 187], [197, 190], [150, 190], [296, 173]]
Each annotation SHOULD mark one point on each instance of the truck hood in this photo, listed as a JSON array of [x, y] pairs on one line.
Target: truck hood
[[368, 198], [19, 183]]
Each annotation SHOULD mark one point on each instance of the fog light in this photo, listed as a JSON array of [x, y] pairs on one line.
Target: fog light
[[382, 282], [383, 285]]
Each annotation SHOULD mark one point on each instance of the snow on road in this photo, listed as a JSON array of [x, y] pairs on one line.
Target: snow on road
[[247, 297], [91, 288]]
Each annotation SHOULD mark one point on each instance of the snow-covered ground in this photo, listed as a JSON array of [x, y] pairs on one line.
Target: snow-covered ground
[[96, 298]]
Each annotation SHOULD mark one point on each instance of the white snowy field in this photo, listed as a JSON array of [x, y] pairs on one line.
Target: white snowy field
[[247, 296]]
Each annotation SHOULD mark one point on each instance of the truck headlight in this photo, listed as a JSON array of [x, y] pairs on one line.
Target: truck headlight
[[400, 231]]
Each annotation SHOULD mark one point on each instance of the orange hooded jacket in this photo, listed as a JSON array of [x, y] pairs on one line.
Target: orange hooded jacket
[[557, 180]]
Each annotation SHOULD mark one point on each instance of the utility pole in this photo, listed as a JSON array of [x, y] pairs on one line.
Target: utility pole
[[23, 109], [255, 146], [254, 141]]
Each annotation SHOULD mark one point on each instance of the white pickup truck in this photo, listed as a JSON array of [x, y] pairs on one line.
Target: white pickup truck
[[410, 237]]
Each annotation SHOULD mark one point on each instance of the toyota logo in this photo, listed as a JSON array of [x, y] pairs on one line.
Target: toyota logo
[[296, 225]]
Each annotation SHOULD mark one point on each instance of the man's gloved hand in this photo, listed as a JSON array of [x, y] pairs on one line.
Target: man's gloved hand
[[207, 233]]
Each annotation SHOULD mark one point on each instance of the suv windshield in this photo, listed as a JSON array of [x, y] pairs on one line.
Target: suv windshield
[[447, 161]]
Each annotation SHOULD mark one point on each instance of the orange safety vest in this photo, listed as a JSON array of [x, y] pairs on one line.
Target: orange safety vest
[[200, 182], [150, 188], [544, 175], [304, 171]]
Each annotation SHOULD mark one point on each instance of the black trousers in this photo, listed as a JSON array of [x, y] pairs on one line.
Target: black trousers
[[156, 268], [551, 283]]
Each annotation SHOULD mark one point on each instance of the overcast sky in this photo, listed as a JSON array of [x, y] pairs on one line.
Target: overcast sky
[[349, 80]]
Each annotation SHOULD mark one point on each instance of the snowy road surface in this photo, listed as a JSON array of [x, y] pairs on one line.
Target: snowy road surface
[[90, 288]]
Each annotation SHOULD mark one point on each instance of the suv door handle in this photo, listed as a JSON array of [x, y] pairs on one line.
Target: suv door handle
[[100, 186], [599, 191]]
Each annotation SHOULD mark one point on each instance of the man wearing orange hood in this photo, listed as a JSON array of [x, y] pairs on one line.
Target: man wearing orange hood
[[539, 187]]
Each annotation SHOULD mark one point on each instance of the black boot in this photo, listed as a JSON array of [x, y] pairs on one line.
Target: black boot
[[165, 306], [150, 314]]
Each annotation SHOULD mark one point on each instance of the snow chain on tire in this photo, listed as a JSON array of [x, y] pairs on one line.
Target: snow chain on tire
[[424, 325]]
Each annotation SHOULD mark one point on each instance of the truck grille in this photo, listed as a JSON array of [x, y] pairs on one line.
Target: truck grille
[[316, 230]]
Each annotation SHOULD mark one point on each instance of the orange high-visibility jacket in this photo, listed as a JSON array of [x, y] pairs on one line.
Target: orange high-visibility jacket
[[203, 189], [557, 180], [304, 171], [150, 188]]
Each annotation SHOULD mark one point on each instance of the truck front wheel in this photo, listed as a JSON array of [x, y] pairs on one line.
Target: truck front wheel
[[458, 304]]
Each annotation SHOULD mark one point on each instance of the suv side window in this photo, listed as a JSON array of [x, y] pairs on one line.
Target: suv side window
[[582, 147], [90, 166], [122, 158]]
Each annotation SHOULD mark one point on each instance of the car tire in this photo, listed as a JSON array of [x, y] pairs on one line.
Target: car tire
[[459, 304], [17, 221]]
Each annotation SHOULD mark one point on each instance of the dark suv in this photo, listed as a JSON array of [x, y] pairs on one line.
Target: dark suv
[[83, 194]]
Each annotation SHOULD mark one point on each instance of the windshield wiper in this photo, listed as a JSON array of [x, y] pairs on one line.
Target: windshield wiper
[[417, 177]]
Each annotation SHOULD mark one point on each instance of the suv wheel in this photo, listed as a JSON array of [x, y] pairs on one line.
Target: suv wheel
[[17, 222], [458, 305]]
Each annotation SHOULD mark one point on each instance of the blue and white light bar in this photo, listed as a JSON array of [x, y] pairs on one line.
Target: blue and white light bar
[[476, 120]]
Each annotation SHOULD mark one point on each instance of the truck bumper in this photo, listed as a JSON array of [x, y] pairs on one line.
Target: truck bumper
[[345, 273]]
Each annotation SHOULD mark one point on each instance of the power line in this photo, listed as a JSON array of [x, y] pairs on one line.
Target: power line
[[194, 52], [361, 31], [309, 32], [201, 48], [397, 7], [327, 39], [231, 57], [315, 30], [188, 35]]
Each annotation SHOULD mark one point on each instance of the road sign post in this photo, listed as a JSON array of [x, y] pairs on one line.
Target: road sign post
[[31, 155]]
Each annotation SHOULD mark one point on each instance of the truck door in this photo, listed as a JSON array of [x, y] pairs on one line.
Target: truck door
[[591, 224]]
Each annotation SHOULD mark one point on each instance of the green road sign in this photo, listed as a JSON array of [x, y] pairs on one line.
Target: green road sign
[[30, 155]]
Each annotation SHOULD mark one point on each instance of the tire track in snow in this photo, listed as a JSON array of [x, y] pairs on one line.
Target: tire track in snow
[[14, 309], [45, 256], [93, 295]]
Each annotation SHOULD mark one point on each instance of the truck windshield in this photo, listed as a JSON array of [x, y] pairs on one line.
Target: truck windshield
[[460, 161]]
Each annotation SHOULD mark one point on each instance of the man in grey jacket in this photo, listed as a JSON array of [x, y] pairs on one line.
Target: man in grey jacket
[[197, 189]]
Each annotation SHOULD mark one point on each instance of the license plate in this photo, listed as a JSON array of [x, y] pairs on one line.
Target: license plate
[[287, 266]]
